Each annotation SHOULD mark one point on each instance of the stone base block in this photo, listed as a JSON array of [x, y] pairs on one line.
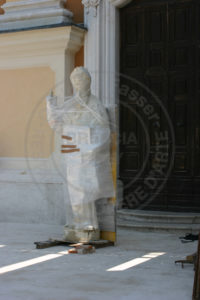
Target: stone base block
[[80, 236]]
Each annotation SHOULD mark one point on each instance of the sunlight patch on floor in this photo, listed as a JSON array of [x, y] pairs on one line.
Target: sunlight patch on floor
[[137, 261], [31, 262]]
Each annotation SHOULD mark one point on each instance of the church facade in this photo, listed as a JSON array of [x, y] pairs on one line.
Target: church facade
[[144, 60]]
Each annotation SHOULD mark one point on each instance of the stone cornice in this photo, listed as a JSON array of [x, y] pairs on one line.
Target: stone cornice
[[32, 4], [47, 41], [30, 13]]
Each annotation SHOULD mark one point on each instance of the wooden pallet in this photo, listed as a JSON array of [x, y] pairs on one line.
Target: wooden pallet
[[54, 243]]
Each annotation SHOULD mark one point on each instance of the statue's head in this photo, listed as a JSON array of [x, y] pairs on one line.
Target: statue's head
[[80, 79]]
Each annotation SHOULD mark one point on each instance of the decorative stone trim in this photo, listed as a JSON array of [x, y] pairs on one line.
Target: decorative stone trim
[[34, 13], [91, 5], [119, 3]]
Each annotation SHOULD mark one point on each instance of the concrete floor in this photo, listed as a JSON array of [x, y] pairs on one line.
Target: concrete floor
[[85, 277]]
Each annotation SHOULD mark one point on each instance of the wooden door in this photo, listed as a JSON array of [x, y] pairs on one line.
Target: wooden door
[[159, 50]]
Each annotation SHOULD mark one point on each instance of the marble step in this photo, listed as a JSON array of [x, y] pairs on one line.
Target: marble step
[[158, 221], [176, 228], [158, 216]]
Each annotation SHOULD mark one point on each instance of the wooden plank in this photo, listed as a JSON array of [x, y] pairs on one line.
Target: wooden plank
[[53, 243], [69, 146], [196, 288], [69, 138], [70, 151], [101, 244]]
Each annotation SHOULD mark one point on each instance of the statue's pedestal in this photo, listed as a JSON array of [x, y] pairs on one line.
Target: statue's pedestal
[[80, 236]]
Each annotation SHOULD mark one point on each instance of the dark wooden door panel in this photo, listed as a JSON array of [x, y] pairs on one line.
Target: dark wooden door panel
[[160, 47]]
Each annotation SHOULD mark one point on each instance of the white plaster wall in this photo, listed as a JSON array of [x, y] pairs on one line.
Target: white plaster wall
[[42, 198], [31, 198]]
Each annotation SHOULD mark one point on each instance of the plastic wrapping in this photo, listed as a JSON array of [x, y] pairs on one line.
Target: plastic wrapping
[[88, 172]]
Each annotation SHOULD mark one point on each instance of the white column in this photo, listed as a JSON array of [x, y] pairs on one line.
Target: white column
[[102, 60], [102, 47]]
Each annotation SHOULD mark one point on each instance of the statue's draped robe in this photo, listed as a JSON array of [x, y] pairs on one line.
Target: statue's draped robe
[[88, 172]]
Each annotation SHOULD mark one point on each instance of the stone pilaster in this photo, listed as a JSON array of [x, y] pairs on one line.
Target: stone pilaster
[[91, 5]]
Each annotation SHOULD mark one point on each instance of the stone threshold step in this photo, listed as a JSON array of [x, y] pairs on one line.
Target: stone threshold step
[[182, 228], [142, 216]]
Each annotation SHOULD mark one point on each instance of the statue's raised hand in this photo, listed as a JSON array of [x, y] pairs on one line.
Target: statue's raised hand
[[51, 98]]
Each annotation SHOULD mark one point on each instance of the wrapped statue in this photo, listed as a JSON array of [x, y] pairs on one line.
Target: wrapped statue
[[83, 123]]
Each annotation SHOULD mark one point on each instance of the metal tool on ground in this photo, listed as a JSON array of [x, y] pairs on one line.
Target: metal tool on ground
[[190, 259], [189, 237]]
